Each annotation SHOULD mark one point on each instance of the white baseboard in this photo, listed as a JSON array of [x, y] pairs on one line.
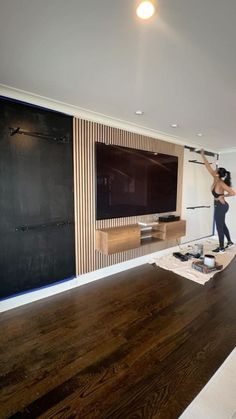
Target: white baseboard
[[45, 292]]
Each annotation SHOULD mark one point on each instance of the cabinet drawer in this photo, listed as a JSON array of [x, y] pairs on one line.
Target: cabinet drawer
[[117, 239]]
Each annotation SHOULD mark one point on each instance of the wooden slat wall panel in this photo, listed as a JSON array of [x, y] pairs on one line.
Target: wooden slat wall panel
[[86, 133]]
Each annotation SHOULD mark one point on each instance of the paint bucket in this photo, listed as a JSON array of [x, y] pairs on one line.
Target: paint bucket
[[209, 261]]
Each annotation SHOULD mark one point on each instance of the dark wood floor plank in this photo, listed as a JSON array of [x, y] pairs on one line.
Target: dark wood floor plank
[[140, 344], [172, 376]]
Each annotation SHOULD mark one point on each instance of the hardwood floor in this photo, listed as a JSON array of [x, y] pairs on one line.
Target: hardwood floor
[[140, 344]]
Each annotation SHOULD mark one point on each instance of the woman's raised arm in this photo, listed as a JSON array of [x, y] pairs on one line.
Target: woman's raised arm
[[207, 164]]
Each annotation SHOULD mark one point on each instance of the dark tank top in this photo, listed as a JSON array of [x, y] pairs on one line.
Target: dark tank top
[[215, 194]]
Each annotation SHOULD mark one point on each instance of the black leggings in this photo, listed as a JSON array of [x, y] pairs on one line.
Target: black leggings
[[220, 212]]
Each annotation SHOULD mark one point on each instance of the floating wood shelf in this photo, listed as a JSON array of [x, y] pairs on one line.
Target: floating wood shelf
[[172, 229], [119, 239]]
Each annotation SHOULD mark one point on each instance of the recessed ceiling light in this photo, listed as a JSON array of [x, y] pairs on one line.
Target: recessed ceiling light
[[145, 10], [174, 125], [199, 134], [139, 112]]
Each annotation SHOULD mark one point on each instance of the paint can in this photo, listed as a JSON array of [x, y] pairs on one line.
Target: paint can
[[209, 261]]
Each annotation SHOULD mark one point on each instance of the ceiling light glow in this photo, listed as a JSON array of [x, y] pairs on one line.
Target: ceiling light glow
[[145, 10], [174, 125], [200, 134], [139, 112]]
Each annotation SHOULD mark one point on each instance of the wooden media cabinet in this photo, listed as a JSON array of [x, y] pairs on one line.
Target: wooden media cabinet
[[119, 239]]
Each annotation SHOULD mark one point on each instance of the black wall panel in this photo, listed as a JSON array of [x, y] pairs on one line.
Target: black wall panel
[[36, 197]]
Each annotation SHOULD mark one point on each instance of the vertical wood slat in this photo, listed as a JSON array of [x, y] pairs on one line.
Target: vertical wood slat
[[76, 200], [86, 133]]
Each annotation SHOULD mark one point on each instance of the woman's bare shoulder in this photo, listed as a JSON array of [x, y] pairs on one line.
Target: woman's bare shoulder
[[220, 183]]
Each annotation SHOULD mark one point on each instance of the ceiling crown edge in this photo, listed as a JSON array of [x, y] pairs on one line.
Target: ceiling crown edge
[[78, 112]]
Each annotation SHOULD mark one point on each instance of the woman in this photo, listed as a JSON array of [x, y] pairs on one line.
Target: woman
[[221, 188]]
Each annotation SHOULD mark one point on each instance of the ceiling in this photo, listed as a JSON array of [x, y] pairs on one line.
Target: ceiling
[[178, 68]]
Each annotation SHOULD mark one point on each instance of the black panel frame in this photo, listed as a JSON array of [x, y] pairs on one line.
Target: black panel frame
[[37, 233]]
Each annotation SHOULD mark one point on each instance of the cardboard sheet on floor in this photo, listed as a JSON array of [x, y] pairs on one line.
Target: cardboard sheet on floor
[[185, 269]]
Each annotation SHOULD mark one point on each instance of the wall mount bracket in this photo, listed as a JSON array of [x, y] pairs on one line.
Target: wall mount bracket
[[25, 228], [200, 206], [18, 131]]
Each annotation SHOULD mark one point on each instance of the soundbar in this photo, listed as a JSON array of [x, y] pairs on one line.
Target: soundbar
[[169, 218]]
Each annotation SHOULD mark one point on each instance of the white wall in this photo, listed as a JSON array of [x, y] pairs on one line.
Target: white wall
[[228, 160], [197, 192]]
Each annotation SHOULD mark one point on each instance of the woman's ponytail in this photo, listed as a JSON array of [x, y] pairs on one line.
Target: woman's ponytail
[[224, 175], [227, 179]]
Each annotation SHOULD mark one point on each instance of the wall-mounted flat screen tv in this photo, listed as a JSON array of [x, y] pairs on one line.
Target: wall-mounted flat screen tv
[[134, 182]]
